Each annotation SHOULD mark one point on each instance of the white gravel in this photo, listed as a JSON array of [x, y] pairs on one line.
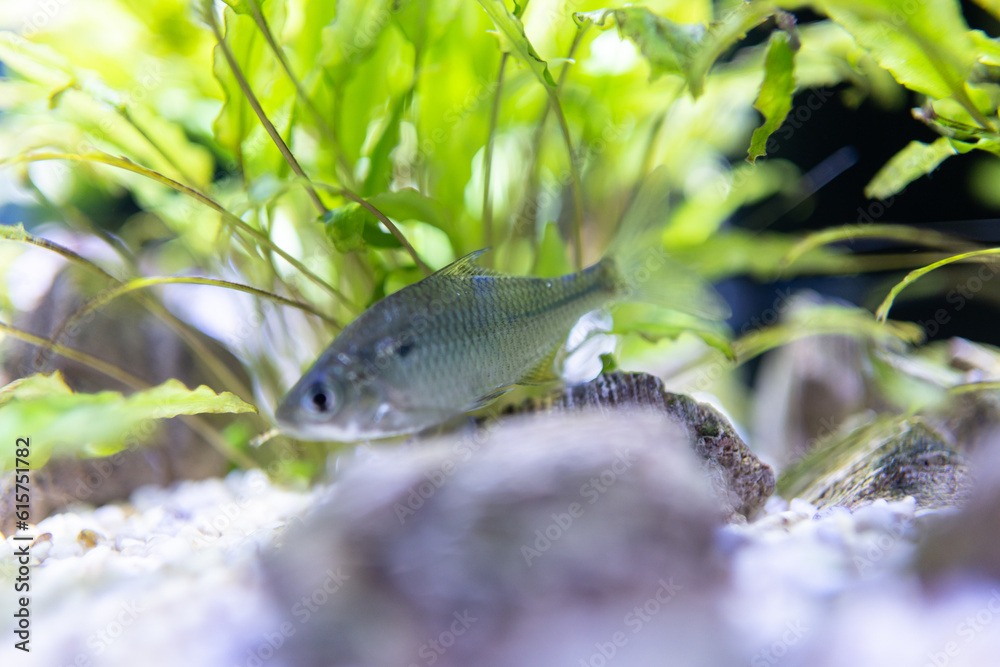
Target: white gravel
[[172, 579]]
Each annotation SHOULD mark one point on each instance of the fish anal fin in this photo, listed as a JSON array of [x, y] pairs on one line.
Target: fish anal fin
[[545, 371]]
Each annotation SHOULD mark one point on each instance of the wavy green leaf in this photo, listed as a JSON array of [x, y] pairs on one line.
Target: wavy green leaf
[[62, 422], [909, 164], [927, 45], [775, 98]]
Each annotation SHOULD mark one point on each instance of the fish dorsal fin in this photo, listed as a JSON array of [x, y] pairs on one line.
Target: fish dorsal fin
[[466, 266]]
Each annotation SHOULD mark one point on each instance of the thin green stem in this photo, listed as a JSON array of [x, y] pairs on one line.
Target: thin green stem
[[123, 111], [88, 360], [577, 184], [536, 141], [389, 224], [255, 105], [321, 123], [107, 296], [228, 218], [488, 160]]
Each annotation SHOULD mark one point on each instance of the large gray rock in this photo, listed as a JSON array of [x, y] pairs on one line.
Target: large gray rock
[[542, 541]]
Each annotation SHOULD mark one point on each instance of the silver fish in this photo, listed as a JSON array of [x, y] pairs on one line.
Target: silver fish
[[459, 338]]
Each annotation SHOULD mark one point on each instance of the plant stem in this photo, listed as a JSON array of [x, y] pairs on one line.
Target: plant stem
[[488, 161], [255, 105], [159, 149], [536, 141], [229, 218], [389, 224], [90, 361], [321, 123], [577, 184]]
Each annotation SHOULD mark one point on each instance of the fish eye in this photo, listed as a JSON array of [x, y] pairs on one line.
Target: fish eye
[[320, 399]]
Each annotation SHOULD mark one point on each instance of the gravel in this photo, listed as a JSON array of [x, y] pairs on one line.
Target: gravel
[[173, 577]]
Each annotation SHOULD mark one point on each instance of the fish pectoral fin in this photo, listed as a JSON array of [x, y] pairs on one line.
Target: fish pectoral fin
[[483, 401], [466, 266], [545, 371]]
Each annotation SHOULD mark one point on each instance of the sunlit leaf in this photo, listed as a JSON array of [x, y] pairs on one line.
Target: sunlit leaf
[[669, 47], [514, 40], [925, 45], [409, 204], [43, 407], [775, 98]]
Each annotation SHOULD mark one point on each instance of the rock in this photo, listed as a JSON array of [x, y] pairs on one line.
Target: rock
[[536, 541], [967, 544], [738, 475], [808, 388], [127, 335], [890, 458]]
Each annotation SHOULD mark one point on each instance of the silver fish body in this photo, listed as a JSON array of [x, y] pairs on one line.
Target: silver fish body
[[460, 337], [438, 348]]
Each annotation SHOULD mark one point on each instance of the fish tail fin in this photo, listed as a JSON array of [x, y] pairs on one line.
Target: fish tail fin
[[641, 268]]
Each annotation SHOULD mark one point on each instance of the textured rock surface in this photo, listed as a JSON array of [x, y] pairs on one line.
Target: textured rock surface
[[738, 475], [525, 547], [889, 459]]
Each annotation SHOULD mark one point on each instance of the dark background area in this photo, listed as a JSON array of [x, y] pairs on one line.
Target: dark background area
[[943, 201]]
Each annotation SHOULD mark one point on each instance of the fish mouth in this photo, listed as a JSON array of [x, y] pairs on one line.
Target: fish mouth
[[286, 420]]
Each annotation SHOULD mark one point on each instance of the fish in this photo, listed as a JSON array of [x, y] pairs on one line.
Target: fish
[[463, 336]]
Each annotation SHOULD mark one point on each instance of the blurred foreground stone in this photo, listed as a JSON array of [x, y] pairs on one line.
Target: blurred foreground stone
[[543, 541], [966, 545], [738, 476]]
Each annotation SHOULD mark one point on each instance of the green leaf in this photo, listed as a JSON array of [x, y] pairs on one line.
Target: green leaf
[[345, 226], [669, 47], [354, 34], [687, 49], [380, 170], [43, 408], [926, 45], [243, 6], [409, 204], [976, 255], [896, 232], [514, 40], [376, 237], [237, 127], [775, 98], [352, 227], [236, 118], [38, 63], [908, 165]]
